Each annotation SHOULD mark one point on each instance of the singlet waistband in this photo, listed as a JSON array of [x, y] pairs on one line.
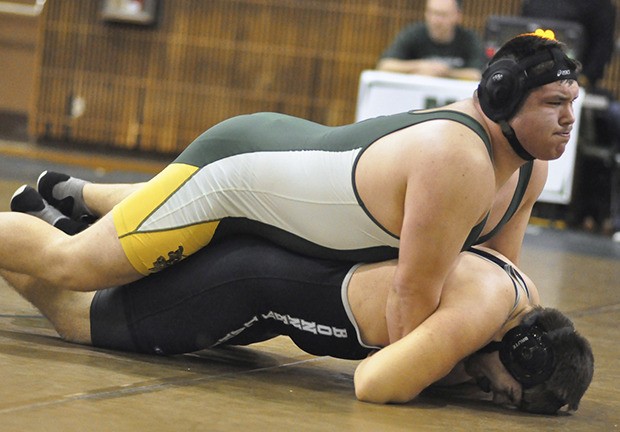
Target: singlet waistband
[[347, 307]]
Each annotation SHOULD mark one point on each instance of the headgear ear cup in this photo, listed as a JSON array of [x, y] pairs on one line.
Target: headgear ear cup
[[527, 355], [501, 89]]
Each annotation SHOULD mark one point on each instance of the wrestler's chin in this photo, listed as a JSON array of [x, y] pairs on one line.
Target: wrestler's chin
[[556, 152], [559, 151]]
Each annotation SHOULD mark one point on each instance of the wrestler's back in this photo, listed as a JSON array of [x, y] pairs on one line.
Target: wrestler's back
[[386, 167]]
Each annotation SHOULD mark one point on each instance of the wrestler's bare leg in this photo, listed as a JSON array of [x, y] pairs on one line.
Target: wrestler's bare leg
[[67, 311], [90, 260], [101, 197]]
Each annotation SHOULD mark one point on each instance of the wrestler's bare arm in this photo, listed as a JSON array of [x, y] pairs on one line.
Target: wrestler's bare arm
[[510, 238], [456, 376], [445, 198], [459, 327]]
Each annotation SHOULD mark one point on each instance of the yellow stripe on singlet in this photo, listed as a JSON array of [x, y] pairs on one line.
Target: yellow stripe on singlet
[[152, 250]]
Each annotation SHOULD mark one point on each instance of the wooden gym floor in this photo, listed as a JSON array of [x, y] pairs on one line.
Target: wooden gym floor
[[49, 385]]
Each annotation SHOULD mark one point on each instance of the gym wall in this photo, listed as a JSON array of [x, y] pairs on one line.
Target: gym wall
[[155, 88]]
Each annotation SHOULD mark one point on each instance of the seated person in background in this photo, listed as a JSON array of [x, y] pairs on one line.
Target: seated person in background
[[488, 327], [439, 46]]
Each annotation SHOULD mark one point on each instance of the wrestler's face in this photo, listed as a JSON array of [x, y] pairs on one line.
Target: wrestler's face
[[491, 375], [544, 122]]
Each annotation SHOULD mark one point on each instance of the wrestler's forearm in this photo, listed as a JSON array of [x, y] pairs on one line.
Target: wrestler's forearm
[[457, 376], [407, 309], [400, 371]]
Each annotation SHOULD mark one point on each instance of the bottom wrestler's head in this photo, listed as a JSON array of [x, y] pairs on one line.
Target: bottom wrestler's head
[[540, 366]]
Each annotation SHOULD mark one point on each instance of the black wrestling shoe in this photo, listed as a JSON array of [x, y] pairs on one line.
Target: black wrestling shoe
[[27, 200], [65, 193]]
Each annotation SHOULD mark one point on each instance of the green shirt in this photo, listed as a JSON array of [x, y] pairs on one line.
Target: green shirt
[[414, 43]]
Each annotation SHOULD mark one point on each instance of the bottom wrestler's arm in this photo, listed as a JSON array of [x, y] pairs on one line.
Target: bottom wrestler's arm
[[463, 323], [457, 376], [401, 371]]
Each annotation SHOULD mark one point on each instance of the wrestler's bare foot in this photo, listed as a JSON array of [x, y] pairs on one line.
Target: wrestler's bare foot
[[67, 311]]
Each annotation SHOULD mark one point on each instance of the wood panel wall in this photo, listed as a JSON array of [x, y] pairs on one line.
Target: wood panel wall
[[18, 41], [156, 88]]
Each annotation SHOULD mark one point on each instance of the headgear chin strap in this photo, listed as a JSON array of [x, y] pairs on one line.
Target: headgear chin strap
[[514, 142], [526, 353], [506, 83]]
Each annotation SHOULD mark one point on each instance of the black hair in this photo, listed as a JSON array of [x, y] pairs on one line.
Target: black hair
[[525, 45], [573, 364]]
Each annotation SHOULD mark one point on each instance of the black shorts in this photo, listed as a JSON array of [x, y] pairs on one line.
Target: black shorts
[[235, 292]]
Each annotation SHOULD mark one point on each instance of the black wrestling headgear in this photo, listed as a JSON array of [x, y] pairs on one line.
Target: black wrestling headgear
[[506, 83], [526, 353]]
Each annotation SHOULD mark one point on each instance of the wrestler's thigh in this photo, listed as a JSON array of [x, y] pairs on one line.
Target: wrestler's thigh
[[96, 258]]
